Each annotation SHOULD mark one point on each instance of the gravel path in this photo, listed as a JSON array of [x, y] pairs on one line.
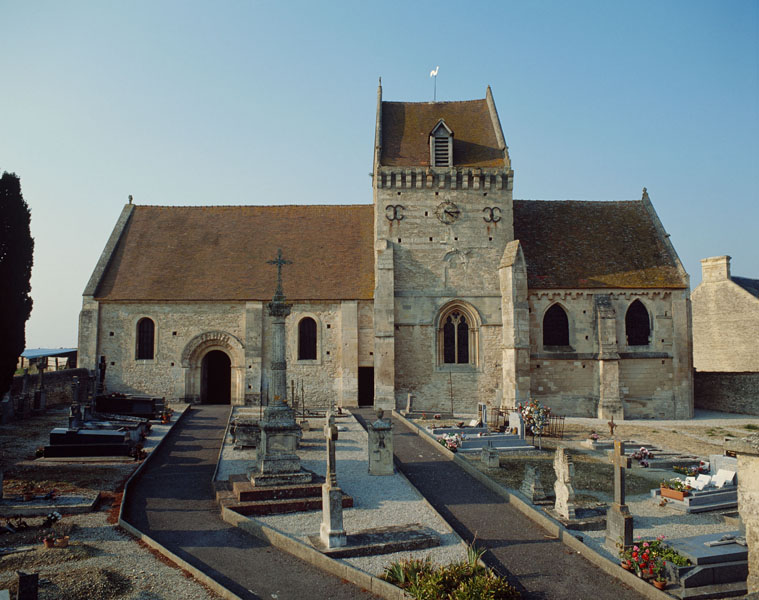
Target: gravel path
[[378, 501]]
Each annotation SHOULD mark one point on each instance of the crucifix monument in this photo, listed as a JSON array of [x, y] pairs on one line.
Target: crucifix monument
[[619, 521], [278, 464]]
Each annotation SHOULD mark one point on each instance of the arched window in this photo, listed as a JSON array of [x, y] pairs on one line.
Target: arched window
[[307, 339], [457, 333], [145, 339], [555, 327], [637, 325]]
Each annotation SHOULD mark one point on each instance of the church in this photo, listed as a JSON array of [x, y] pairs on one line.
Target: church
[[445, 289]]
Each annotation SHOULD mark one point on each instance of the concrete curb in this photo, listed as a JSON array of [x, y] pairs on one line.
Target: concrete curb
[[566, 536], [312, 556], [183, 564]]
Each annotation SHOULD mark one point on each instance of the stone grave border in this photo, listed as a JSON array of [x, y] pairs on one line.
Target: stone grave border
[[564, 535], [181, 563]]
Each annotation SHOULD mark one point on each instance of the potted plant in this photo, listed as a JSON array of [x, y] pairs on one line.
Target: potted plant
[[28, 491], [450, 441], [48, 540], [625, 556], [660, 573], [674, 488]]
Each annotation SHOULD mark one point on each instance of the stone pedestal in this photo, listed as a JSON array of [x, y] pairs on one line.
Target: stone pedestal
[[490, 457], [278, 464], [747, 450], [619, 526], [381, 446], [331, 532]]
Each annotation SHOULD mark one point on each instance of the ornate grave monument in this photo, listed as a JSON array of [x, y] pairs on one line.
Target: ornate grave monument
[[278, 464], [565, 493], [381, 446], [532, 487], [619, 521], [489, 456], [331, 532]]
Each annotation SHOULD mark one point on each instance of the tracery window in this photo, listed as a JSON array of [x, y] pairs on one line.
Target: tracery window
[[145, 339], [637, 325], [555, 327], [457, 337], [307, 339]]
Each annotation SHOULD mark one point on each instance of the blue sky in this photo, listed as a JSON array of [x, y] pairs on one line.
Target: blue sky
[[192, 103]]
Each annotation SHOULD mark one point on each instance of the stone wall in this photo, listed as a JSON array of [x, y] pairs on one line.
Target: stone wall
[[725, 322], [727, 392], [58, 385]]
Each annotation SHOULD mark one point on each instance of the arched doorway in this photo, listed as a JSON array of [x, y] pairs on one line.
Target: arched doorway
[[215, 378]]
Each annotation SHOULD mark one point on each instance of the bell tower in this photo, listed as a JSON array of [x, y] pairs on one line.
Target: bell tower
[[443, 215]]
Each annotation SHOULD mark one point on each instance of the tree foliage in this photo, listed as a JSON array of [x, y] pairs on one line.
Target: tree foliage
[[16, 257]]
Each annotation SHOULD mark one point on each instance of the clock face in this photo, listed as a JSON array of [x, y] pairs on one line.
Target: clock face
[[447, 212]]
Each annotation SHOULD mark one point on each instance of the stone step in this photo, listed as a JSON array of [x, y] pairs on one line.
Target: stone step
[[272, 507], [245, 491]]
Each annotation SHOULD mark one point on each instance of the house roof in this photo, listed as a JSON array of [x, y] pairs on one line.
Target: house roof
[[221, 253], [406, 128], [750, 285], [571, 244]]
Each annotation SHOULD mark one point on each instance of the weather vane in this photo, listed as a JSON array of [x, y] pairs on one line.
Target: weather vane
[[433, 74]]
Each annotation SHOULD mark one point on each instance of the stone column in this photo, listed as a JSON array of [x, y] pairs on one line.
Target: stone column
[[384, 327], [609, 402], [619, 521], [331, 532], [515, 317], [747, 450]]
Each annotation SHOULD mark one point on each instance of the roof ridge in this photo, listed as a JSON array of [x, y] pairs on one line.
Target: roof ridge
[[278, 206]]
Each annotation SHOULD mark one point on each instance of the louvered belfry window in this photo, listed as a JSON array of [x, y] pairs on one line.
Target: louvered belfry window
[[441, 145]]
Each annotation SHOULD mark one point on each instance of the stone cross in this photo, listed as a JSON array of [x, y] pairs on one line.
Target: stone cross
[[331, 532], [620, 462], [279, 262], [619, 521]]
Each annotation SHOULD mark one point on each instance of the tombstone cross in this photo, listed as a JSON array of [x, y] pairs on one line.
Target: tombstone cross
[[279, 262], [620, 462]]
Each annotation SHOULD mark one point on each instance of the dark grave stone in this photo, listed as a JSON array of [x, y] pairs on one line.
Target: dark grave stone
[[135, 406], [381, 540], [719, 566], [246, 433], [88, 442], [28, 586]]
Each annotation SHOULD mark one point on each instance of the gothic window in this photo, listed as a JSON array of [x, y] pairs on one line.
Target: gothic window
[[145, 339], [457, 337], [307, 339], [441, 145], [637, 325], [555, 327]]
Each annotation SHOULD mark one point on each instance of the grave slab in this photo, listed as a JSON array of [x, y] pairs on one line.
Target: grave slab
[[381, 540]]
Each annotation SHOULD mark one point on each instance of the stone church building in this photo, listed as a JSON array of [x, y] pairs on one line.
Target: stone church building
[[445, 288]]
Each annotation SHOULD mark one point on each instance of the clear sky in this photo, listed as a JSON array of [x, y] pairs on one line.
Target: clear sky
[[192, 103]]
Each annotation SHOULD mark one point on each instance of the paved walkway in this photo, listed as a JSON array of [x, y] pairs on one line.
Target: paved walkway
[[173, 502], [541, 567]]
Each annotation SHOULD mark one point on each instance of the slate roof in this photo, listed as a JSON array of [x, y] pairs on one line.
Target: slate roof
[[220, 253], [406, 128], [750, 285], [571, 244]]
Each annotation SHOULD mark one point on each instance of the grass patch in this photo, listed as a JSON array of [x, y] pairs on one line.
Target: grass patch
[[751, 427]]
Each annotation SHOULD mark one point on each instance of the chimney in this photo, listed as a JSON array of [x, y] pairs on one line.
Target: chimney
[[716, 268]]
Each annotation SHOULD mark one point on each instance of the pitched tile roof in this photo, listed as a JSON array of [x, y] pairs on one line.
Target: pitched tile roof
[[750, 285], [569, 244], [406, 128], [220, 253]]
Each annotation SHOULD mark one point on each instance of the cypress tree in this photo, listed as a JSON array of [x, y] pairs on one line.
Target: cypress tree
[[16, 257]]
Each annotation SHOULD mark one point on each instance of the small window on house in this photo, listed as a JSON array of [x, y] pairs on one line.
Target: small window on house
[[637, 325], [555, 327], [441, 145], [307, 339], [145, 339]]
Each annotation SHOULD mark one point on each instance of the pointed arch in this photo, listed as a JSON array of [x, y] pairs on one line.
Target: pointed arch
[[555, 326], [458, 327], [637, 324]]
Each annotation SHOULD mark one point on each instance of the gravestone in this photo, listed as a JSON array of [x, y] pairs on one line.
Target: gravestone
[[619, 521], [482, 410], [40, 395], [490, 457], [409, 402], [28, 586], [380, 446], [532, 488], [331, 532], [516, 422], [565, 493], [6, 409]]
